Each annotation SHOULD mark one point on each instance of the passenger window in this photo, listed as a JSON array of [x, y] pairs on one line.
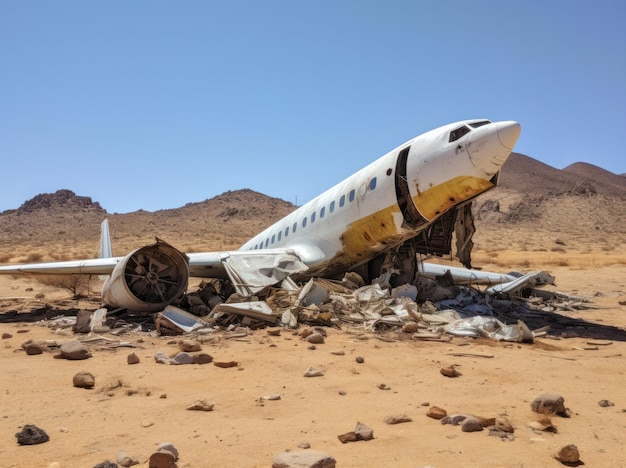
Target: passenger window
[[280, 234], [373, 183], [273, 238], [304, 222], [295, 225], [267, 242], [351, 195], [286, 231], [322, 211], [342, 201], [312, 217], [332, 206]]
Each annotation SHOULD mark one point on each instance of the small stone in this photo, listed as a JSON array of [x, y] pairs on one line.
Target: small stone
[[454, 419], [363, 432], [383, 386], [189, 346], [273, 331], [272, 397], [569, 454], [125, 459], [84, 380], [311, 372], [201, 405], [304, 445], [605, 403], [397, 419], [74, 351], [503, 424], [170, 448], [410, 327], [436, 413], [132, 358], [6, 336], [162, 358], [347, 437], [106, 464], [31, 435], [471, 424], [202, 358], [315, 338], [549, 404], [338, 352], [182, 358], [359, 360], [147, 423], [450, 371], [305, 332], [225, 364], [303, 459], [33, 348], [312, 347], [162, 459]]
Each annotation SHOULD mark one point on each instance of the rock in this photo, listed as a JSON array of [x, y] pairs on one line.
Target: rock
[[202, 358], [543, 425], [450, 371], [225, 364], [338, 352], [83, 321], [359, 360], [272, 397], [311, 372], [74, 351], [305, 332], [273, 331], [436, 413], [304, 445], [549, 404], [471, 424], [363, 432], [315, 338], [132, 358], [84, 380], [31, 435], [503, 424], [201, 405], [6, 336], [605, 403], [383, 386], [569, 455], [454, 419], [312, 347], [410, 327], [347, 437], [169, 447], [189, 346], [182, 358], [125, 459], [303, 459], [106, 464], [397, 419], [162, 358], [33, 348], [162, 459]]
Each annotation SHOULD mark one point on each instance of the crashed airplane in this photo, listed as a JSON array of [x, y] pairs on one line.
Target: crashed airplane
[[410, 201]]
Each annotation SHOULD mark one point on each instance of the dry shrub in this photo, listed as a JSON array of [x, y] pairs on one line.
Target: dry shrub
[[34, 257], [79, 286], [5, 258]]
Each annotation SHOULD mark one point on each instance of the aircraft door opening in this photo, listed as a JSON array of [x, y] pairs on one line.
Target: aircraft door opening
[[410, 213]]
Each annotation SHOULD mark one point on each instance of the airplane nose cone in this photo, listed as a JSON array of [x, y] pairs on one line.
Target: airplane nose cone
[[508, 133]]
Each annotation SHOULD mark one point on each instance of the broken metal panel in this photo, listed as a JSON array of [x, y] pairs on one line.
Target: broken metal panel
[[258, 310], [490, 327], [173, 320], [528, 281], [251, 273], [463, 275]]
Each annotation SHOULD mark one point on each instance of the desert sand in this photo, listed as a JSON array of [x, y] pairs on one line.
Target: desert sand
[[136, 407]]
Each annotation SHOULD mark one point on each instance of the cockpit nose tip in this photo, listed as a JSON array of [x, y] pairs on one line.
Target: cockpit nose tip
[[508, 133]]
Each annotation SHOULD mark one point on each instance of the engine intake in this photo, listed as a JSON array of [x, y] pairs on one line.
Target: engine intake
[[148, 279]]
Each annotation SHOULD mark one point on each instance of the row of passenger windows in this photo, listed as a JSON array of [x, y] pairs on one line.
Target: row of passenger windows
[[350, 197]]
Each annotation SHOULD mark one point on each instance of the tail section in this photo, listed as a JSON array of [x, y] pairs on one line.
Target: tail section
[[105, 240]]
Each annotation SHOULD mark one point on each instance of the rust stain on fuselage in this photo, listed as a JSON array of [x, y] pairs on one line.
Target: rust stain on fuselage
[[437, 200]]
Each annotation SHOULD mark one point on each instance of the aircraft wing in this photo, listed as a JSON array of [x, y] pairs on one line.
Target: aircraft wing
[[94, 266]]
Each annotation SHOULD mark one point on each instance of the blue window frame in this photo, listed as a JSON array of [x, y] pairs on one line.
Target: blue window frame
[[342, 201], [322, 211], [304, 222], [332, 206], [312, 217], [351, 195], [373, 183]]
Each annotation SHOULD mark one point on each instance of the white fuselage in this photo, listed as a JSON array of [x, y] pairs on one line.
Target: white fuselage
[[366, 213]]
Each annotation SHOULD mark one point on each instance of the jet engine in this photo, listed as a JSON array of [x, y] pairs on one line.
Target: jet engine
[[148, 279]]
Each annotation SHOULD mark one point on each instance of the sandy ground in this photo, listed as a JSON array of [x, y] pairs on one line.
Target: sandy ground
[[136, 407]]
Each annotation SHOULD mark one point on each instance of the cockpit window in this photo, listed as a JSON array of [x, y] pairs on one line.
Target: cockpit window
[[458, 133], [479, 124]]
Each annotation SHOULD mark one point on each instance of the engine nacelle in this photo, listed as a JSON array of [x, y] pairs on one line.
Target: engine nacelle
[[148, 279]]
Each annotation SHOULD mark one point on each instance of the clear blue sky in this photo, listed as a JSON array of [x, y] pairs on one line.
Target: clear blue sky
[[154, 104]]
